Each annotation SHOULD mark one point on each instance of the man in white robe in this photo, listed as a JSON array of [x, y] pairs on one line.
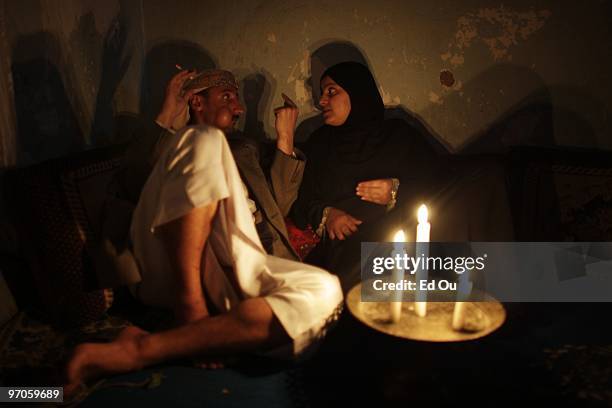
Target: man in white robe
[[196, 245]]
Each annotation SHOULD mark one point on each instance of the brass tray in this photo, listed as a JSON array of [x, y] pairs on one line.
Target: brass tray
[[489, 315]]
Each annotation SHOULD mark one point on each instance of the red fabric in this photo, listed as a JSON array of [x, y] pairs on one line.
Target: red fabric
[[303, 241]]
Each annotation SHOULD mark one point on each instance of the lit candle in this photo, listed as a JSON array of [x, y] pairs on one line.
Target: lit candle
[[422, 250], [458, 315], [463, 292], [397, 276]]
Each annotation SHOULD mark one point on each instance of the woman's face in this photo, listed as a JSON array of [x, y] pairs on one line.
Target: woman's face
[[335, 102]]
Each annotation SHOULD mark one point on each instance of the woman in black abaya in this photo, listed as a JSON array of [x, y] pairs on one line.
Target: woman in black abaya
[[365, 175]]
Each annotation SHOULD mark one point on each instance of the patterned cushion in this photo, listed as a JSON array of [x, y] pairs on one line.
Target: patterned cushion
[[585, 202], [85, 189], [561, 194], [104, 222], [54, 229]]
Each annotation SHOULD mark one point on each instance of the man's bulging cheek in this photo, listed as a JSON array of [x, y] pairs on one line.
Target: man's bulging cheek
[[224, 118]]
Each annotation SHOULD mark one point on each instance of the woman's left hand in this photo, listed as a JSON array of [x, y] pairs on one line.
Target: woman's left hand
[[376, 191]]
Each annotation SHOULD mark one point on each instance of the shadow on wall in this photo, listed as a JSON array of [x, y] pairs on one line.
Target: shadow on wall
[[160, 66], [328, 54], [46, 123], [325, 55], [257, 89], [322, 56], [539, 119], [546, 117], [571, 126], [106, 128]]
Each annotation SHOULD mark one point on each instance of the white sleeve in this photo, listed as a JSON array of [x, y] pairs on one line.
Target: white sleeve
[[193, 174]]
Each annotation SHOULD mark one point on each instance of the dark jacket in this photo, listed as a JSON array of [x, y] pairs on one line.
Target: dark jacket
[[272, 178]]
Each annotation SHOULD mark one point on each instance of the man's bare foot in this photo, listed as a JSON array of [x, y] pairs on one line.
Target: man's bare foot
[[94, 360]]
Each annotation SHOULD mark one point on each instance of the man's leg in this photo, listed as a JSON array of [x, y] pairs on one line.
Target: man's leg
[[184, 240], [251, 325]]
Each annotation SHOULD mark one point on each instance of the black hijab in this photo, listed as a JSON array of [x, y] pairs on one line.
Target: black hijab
[[365, 147], [360, 135]]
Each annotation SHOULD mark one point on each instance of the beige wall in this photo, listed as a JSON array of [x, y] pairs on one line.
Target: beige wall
[[501, 56], [498, 54], [69, 36]]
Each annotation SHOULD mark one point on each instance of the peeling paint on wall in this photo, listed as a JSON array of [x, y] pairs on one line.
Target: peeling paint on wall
[[435, 98], [498, 28], [419, 63], [300, 72], [447, 78], [388, 99], [467, 39], [378, 22]]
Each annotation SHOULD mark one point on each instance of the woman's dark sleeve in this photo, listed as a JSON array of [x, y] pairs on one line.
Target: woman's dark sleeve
[[422, 170], [308, 207]]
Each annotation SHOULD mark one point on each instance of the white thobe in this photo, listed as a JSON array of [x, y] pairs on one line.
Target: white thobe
[[197, 169]]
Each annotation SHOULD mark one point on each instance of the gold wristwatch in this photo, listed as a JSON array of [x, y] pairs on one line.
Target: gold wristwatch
[[394, 187]]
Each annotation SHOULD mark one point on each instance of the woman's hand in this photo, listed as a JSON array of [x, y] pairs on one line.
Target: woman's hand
[[340, 225], [175, 101], [376, 191]]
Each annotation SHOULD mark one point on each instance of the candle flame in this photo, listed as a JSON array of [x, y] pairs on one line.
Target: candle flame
[[422, 214], [399, 236]]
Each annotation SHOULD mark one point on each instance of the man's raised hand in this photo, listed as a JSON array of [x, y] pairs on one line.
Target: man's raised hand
[[286, 118], [175, 100]]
